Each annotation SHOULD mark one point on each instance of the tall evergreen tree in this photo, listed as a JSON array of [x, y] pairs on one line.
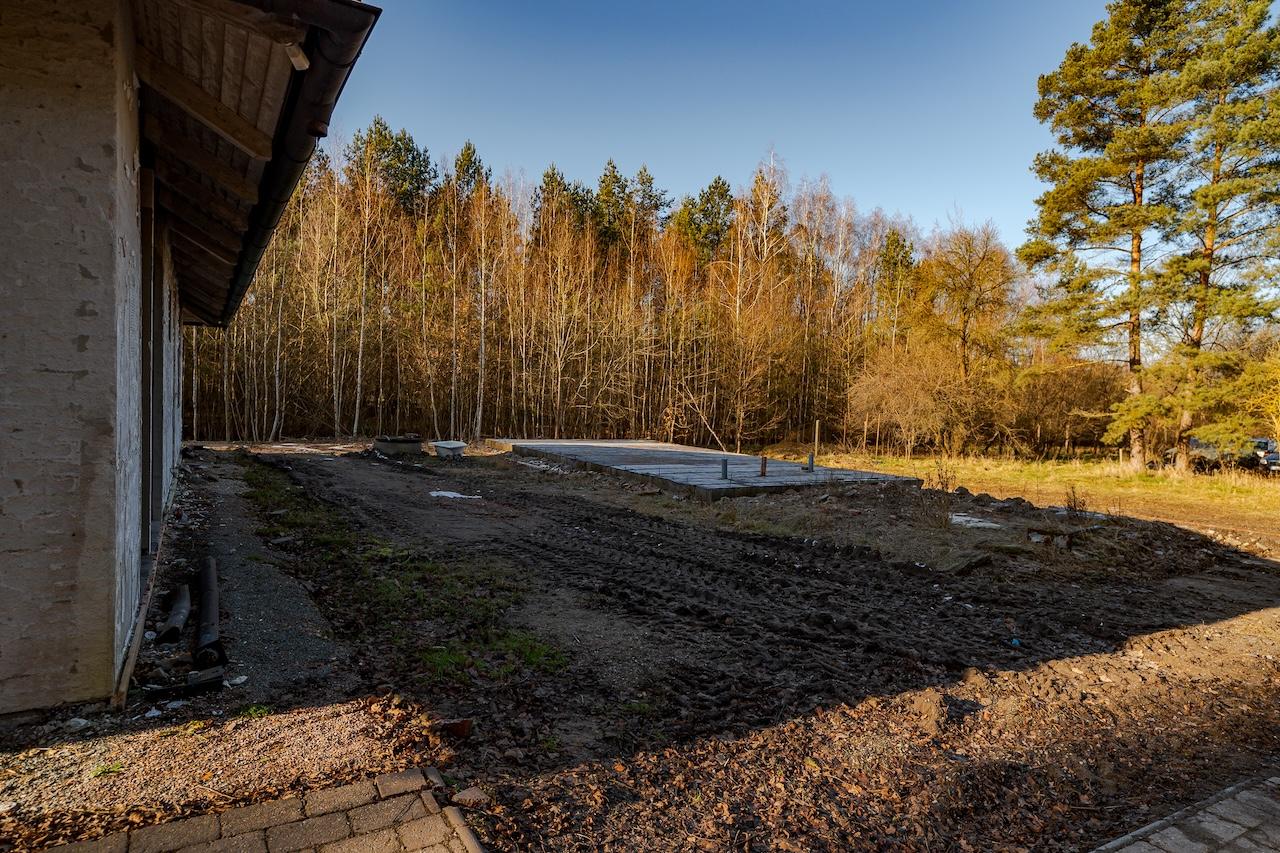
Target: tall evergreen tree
[[400, 167], [611, 202], [650, 201], [1229, 200], [706, 220], [1117, 109]]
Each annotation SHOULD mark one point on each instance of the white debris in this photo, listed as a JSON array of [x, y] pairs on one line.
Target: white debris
[[445, 494], [75, 724], [153, 713], [961, 520], [149, 635], [174, 705], [237, 681]]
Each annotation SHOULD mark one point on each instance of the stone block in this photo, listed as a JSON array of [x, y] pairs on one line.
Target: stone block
[[385, 813], [335, 799], [423, 832], [1238, 812], [1207, 823], [249, 842], [390, 784], [1171, 839], [261, 816], [311, 832], [381, 841], [166, 837]]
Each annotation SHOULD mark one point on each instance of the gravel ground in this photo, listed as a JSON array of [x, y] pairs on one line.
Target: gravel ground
[[295, 717]]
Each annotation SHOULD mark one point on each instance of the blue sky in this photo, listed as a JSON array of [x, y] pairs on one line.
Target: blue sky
[[922, 108]]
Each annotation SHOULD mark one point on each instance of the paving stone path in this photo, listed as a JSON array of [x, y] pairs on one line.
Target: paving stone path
[[392, 813], [1241, 819]]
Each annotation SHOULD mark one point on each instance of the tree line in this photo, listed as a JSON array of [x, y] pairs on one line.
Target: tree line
[[405, 294]]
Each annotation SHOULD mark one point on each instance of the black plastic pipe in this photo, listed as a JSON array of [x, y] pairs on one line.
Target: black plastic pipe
[[179, 611], [339, 30], [207, 649]]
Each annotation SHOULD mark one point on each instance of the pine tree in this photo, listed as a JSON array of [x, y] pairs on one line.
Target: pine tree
[[1117, 109], [650, 202], [611, 201], [706, 220], [469, 170], [1229, 201], [400, 166]]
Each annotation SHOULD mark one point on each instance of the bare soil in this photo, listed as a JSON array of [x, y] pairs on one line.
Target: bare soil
[[807, 671]]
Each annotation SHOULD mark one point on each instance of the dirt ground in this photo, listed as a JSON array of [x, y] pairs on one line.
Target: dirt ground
[[876, 667]]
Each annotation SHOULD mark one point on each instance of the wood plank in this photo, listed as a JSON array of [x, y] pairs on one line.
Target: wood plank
[[213, 253], [184, 149], [195, 289], [273, 27], [205, 315], [199, 104], [200, 195], [211, 232]]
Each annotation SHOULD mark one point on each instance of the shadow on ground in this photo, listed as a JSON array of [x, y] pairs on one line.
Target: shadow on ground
[[641, 680]]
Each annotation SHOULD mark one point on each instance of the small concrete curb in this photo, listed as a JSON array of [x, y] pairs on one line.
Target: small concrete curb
[[1165, 822], [465, 835]]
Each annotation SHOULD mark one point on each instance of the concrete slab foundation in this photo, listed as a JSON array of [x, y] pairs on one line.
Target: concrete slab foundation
[[696, 471]]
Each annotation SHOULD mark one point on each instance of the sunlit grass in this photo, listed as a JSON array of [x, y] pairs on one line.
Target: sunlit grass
[[1238, 499]]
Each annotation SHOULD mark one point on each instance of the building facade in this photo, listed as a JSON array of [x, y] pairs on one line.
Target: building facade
[[147, 148]]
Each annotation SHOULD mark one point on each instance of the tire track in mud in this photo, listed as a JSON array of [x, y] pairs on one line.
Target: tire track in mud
[[1117, 694], [753, 627]]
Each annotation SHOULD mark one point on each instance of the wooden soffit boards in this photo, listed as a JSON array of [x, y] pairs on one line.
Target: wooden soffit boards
[[214, 75]]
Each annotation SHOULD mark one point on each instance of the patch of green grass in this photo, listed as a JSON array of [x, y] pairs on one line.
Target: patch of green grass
[[108, 769], [255, 712], [445, 664], [531, 651], [378, 592]]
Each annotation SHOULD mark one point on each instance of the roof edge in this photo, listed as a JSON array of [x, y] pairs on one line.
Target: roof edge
[[339, 30]]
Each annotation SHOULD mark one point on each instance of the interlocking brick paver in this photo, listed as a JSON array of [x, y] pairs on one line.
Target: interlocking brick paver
[[1207, 823], [1262, 802], [383, 813], [1240, 819], [166, 837], [350, 796], [308, 833], [390, 784], [261, 816], [382, 841], [352, 818], [423, 832], [249, 842], [1235, 810], [1173, 840]]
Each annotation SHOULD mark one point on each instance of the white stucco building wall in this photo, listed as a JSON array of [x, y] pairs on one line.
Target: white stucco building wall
[[70, 350]]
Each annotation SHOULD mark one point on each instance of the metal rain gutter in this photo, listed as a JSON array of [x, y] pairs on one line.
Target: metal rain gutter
[[338, 32]]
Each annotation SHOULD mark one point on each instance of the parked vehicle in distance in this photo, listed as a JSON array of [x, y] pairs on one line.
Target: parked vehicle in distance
[[1258, 454]]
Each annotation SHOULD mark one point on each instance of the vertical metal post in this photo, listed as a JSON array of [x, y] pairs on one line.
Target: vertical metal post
[[810, 463], [815, 444], [724, 469], [764, 466]]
